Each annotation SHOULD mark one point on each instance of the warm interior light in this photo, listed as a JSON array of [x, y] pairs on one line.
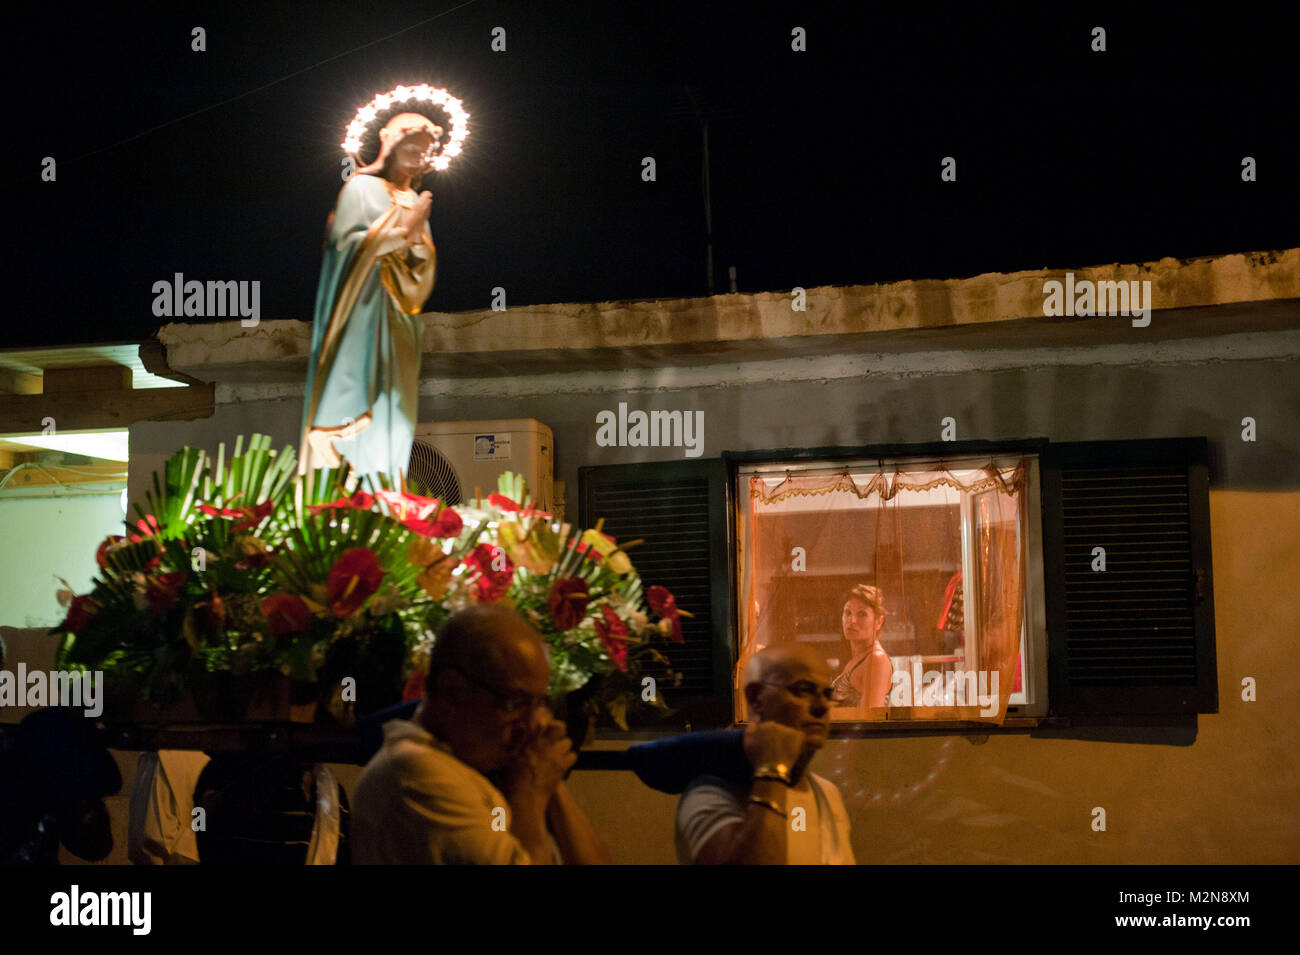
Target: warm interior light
[[107, 445]]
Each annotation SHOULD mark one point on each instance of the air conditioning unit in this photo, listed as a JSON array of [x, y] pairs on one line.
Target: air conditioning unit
[[449, 459]]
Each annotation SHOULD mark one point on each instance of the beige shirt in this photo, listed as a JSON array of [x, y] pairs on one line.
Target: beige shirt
[[417, 804], [160, 828], [818, 822]]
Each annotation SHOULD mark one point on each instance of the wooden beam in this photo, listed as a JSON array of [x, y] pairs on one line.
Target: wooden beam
[[87, 410], [154, 358], [52, 475], [87, 378], [14, 382]]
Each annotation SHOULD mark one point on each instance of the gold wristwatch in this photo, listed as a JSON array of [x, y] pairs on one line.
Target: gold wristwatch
[[779, 772]]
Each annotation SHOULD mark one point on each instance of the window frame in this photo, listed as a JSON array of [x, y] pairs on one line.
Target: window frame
[[1020, 717], [1073, 711]]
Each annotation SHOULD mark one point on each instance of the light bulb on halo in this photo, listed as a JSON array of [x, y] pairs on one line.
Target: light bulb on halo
[[453, 107]]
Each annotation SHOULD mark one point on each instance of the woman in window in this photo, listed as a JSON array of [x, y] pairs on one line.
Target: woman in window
[[865, 679]]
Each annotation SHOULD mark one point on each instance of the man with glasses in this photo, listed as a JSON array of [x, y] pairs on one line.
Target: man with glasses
[[475, 776], [786, 815]]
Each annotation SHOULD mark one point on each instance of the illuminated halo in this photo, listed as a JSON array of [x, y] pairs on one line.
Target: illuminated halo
[[408, 94]]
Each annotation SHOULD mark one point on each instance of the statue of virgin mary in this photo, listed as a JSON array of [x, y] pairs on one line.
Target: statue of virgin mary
[[363, 376]]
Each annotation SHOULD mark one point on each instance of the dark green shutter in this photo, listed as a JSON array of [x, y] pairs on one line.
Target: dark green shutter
[[679, 508], [1138, 637]]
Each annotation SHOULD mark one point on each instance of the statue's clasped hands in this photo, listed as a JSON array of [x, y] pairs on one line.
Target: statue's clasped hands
[[409, 230], [417, 216]]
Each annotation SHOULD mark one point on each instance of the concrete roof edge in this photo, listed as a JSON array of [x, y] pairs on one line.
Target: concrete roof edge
[[984, 299]]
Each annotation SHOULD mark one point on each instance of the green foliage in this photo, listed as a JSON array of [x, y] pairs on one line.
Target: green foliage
[[232, 569]]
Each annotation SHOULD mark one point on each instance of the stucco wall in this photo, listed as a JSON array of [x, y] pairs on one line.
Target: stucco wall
[[1063, 403], [49, 537]]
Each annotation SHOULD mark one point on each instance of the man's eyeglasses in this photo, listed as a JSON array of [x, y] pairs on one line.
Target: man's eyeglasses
[[806, 690], [511, 704]]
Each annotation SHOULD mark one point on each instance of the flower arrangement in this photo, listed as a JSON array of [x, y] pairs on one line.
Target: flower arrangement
[[240, 568]]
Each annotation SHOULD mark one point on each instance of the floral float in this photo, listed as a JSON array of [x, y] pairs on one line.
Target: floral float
[[240, 569]]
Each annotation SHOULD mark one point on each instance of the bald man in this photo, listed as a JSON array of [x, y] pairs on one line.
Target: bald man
[[426, 797], [786, 815]]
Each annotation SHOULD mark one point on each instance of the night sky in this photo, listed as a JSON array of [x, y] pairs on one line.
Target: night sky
[[825, 164]]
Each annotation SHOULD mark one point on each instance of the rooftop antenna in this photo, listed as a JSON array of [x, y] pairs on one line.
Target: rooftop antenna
[[704, 114]]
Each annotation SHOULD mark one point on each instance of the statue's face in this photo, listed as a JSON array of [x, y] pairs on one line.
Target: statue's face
[[413, 154], [411, 139]]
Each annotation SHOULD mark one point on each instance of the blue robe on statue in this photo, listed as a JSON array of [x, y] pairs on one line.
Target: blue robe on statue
[[365, 351]]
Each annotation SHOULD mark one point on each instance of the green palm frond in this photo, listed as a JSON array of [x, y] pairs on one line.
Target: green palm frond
[[171, 503], [251, 477]]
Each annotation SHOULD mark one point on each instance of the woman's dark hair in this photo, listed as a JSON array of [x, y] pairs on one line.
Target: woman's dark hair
[[869, 595]]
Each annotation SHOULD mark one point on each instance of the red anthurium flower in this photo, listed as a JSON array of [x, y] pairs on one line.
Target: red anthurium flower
[[352, 579], [407, 507], [448, 524], [394, 499], [253, 561], [665, 605], [214, 511], [249, 516], [613, 634], [111, 541], [494, 572], [286, 613], [148, 528], [590, 553], [79, 613], [254, 515], [162, 591], [502, 503], [569, 599], [359, 501]]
